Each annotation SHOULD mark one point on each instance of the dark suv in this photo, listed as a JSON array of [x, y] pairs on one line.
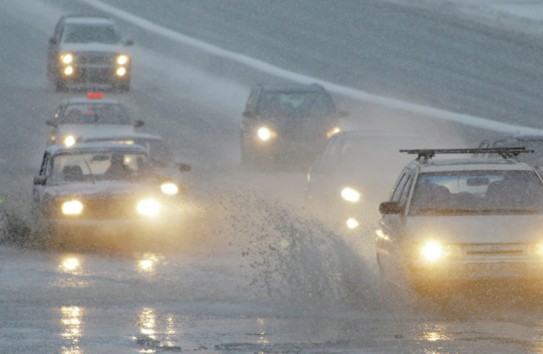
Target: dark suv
[[287, 124], [88, 52]]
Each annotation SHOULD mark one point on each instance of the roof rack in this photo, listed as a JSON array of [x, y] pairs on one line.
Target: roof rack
[[504, 152]]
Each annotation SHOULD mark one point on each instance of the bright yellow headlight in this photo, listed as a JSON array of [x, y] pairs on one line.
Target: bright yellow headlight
[[432, 251], [72, 207], [67, 58], [120, 71], [264, 133], [122, 59], [169, 188], [333, 132], [350, 195], [352, 223], [68, 71], [148, 207], [69, 140]]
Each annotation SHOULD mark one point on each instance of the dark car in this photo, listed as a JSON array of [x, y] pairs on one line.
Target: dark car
[[287, 124], [88, 52], [93, 115], [89, 190]]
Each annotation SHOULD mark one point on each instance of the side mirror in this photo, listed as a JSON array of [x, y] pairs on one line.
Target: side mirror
[[129, 42], [40, 180], [139, 124], [184, 167], [390, 208], [51, 122]]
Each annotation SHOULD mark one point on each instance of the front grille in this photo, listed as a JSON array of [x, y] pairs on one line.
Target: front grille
[[95, 58], [513, 249], [107, 208]]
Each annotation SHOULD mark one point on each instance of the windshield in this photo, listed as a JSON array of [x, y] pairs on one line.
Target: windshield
[[94, 113], [98, 166], [470, 192], [295, 104], [85, 33]]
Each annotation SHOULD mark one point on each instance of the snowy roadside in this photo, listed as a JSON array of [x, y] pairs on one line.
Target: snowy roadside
[[525, 16]]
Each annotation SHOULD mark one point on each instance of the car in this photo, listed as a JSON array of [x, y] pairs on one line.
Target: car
[[287, 123], [532, 142], [462, 222], [88, 51], [109, 189], [92, 115], [344, 184], [160, 156]]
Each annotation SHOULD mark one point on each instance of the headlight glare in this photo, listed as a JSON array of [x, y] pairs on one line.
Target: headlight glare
[[67, 58], [333, 132], [148, 207], [122, 59], [69, 140], [264, 133], [350, 195], [72, 207], [169, 188], [121, 71], [432, 251]]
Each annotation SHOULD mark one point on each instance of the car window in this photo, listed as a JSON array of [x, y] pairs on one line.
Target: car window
[[295, 104], [87, 113], [396, 194], [95, 166], [465, 192], [87, 33]]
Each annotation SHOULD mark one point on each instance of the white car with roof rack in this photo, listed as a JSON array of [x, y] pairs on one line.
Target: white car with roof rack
[[455, 222]]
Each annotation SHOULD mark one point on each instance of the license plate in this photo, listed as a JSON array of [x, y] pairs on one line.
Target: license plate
[[495, 270]]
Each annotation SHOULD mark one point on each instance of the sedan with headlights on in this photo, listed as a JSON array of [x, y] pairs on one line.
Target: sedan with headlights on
[[463, 222], [287, 124], [94, 189], [93, 115]]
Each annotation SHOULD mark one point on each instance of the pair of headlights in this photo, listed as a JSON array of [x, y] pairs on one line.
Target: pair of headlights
[[68, 61], [265, 133], [145, 207]]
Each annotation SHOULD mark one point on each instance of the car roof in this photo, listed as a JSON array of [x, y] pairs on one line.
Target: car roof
[[95, 147], [88, 19]]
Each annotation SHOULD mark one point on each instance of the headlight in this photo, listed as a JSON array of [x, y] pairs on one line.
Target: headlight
[[169, 188], [432, 251], [350, 195], [352, 223], [68, 71], [265, 133], [122, 59], [148, 207], [333, 132], [66, 58], [69, 140], [72, 207], [120, 71]]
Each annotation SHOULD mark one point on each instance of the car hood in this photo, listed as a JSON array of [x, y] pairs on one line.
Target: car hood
[[93, 47], [102, 188], [94, 130], [476, 228]]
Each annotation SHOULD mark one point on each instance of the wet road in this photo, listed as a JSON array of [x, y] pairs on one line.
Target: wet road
[[253, 272]]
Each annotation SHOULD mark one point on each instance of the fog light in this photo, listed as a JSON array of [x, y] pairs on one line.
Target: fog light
[[350, 195]]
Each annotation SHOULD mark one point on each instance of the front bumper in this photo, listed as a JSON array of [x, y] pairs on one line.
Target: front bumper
[[95, 74]]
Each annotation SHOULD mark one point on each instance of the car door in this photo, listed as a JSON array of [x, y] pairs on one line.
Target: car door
[[389, 239]]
